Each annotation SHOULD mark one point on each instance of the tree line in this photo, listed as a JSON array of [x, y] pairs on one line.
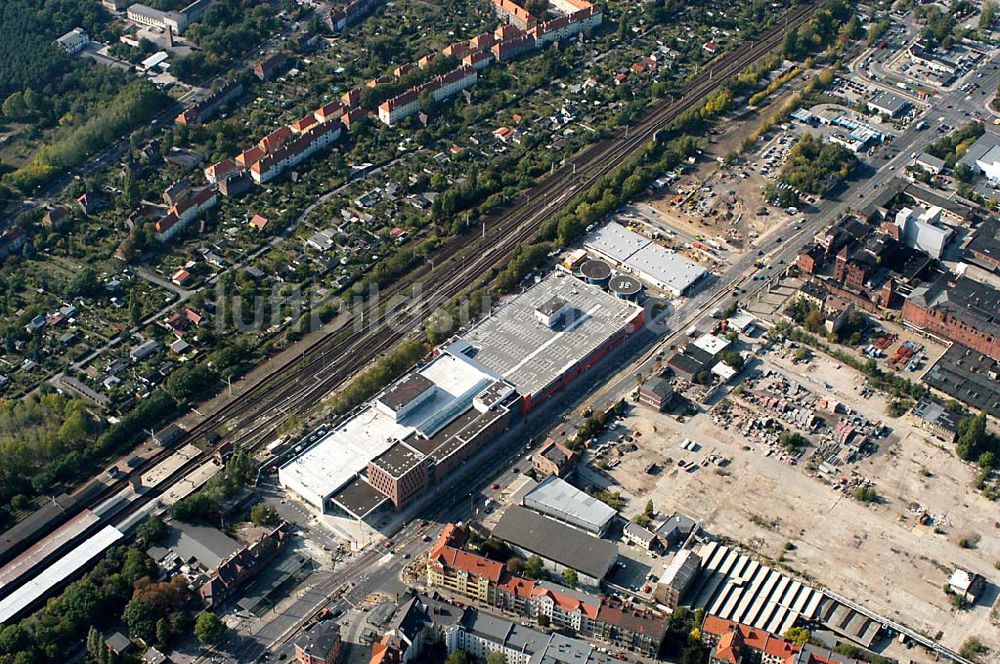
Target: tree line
[[137, 103]]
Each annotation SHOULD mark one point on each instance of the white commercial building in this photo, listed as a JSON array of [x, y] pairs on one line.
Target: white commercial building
[[656, 265], [561, 500], [989, 163], [157, 18], [921, 229], [56, 573], [73, 41], [711, 344], [423, 402], [154, 60], [983, 156]]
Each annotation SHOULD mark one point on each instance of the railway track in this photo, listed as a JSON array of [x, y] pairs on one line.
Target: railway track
[[509, 231], [301, 383]]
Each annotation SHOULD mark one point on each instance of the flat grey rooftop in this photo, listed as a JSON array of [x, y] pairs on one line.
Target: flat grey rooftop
[[965, 374], [515, 344], [208, 545], [359, 498], [559, 543], [561, 500], [398, 460]]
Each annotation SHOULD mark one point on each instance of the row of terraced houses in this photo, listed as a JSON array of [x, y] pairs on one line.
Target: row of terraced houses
[[520, 33], [290, 145]]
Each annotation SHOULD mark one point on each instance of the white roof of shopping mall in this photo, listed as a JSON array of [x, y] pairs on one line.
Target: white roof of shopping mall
[[339, 456], [514, 344], [639, 255]]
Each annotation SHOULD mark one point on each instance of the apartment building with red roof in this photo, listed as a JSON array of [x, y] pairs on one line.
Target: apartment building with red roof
[[482, 41], [349, 13], [290, 154], [478, 59], [221, 170], [184, 211], [400, 107], [506, 31], [514, 14], [627, 625], [733, 643], [630, 625], [275, 139], [328, 112], [304, 123], [351, 98], [269, 66], [405, 104], [353, 116], [250, 156], [458, 49]]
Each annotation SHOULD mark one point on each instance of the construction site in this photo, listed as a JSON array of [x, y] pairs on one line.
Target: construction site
[[891, 553]]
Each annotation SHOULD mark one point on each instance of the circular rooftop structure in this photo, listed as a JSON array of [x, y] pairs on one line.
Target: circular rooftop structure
[[625, 287], [595, 271]]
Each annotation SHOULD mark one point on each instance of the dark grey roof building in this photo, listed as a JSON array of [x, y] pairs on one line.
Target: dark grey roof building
[[969, 376], [562, 547]]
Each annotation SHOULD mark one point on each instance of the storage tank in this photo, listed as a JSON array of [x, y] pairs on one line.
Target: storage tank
[[625, 287], [596, 272]]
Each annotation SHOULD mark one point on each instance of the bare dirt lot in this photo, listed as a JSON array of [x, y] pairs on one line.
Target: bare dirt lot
[[878, 555], [729, 210]]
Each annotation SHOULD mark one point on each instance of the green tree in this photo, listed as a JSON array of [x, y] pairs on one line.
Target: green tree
[[130, 191], [263, 515], [457, 656], [987, 460], [988, 15], [190, 382], [137, 565], [515, 566], [799, 635], [792, 441], [865, 494], [815, 321], [80, 603], [196, 507], [84, 283], [972, 437], [162, 632], [95, 644], [733, 359], [75, 428], [152, 530], [693, 653], [140, 617], [648, 509], [209, 628], [570, 577], [534, 568], [13, 106], [14, 638], [496, 658]]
